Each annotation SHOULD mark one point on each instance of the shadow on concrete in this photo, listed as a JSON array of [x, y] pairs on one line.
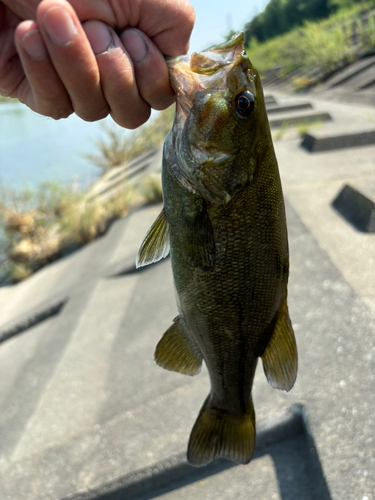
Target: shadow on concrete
[[32, 319], [286, 438], [131, 269]]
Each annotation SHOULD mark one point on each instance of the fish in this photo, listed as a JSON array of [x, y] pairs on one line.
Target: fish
[[223, 223]]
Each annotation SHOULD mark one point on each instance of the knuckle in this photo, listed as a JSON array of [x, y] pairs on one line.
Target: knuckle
[[162, 104], [59, 114], [92, 115], [56, 112], [134, 121]]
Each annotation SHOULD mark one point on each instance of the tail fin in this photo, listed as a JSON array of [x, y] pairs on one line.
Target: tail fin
[[220, 434]]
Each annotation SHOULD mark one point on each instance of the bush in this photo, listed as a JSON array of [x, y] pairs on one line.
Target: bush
[[119, 146], [37, 225], [316, 48]]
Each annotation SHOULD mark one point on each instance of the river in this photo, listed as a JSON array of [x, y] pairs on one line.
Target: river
[[34, 148]]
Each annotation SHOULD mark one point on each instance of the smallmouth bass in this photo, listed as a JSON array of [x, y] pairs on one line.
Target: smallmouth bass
[[224, 224]]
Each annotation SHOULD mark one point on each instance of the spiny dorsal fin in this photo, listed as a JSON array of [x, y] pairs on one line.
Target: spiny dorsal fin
[[280, 359], [220, 434], [155, 245], [175, 352]]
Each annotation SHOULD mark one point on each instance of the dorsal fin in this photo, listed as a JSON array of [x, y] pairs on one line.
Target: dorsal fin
[[155, 245]]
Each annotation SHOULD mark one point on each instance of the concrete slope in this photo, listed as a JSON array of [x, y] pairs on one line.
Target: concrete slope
[[85, 413]]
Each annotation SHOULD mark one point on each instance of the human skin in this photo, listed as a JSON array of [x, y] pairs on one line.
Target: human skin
[[92, 58]]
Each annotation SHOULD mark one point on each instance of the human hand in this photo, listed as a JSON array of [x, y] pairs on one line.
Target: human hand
[[92, 58]]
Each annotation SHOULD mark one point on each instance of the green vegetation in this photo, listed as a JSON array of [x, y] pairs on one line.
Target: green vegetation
[[151, 189], [318, 47], [280, 16], [304, 128], [277, 136], [119, 146], [39, 225]]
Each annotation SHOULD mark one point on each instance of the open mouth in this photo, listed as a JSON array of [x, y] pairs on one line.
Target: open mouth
[[204, 70]]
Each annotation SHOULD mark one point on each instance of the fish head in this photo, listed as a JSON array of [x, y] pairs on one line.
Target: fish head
[[219, 117]]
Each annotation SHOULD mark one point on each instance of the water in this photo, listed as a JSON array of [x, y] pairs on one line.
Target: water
[[34, 148]]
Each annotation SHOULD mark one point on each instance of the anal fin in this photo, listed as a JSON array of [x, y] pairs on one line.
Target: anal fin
[[175, 352], [155, 245], [280, 359]]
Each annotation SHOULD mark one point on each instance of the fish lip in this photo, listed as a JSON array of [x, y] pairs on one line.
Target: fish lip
[[189, 74]]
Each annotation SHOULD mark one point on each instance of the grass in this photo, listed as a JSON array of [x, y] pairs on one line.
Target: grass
[[151, 189], [304, 128], [118, 146], [40, 225], [318, 47], [281, 131]]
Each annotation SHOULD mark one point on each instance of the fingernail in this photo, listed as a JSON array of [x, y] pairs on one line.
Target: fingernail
[[134, 45], [99, 35], [59, 26], [33, 44]]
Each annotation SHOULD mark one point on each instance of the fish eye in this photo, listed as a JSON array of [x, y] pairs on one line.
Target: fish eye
[[244, 104]]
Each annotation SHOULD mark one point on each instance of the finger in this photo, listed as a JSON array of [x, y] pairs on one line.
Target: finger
[[168, 23], [11, 72], [42, 89], [150, 69], [72, 58], [128, 108]]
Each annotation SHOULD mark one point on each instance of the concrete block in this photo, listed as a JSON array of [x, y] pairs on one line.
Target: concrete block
[[271, 108], [321, 140], [293, 120], [357, 208], [269, 99]]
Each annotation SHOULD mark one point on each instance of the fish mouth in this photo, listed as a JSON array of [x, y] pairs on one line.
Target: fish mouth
[[204, 70]]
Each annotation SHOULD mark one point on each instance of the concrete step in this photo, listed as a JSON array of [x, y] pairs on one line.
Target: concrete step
[[324, 140], [271, 109], [357, 206], [348, 75], [52, 285], [77, 389], [129, 174], [293, 119], [61, 276], [269, 99], [365, 80]]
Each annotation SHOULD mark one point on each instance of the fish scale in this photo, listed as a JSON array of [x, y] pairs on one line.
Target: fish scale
[[224, 224]]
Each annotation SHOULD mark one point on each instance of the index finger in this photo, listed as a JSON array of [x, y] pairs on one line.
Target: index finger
[[168, 23]]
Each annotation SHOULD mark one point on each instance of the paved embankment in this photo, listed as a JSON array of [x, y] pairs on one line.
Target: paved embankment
[[85, 413]]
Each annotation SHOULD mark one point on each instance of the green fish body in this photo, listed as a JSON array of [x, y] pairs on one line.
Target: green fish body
[[224, 224]]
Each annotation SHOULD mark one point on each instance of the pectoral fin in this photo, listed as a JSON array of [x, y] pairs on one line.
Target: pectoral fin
[[155, 245], [280, 358], [219, 181], [176, 352], [200, 236]]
